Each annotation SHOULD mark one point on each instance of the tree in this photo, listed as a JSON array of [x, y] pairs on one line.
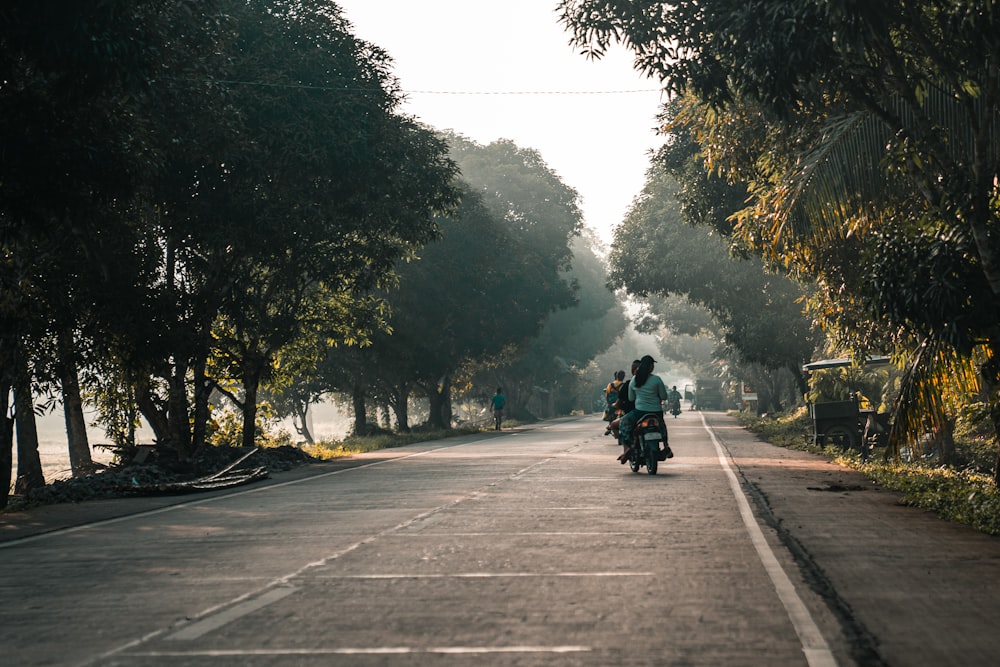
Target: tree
[[541, 210], [656, 253], [73, 80], [459, 302], [149, 198], [483, 292], [545, 375], [543, 217], [351, 186], [911, 90], [298, 183]]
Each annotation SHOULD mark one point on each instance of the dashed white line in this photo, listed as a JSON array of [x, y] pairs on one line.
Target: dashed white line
[[216, 621]]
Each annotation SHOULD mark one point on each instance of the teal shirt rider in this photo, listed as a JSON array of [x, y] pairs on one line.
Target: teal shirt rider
[[648, 397]]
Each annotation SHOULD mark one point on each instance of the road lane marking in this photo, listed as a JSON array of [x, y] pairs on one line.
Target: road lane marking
[[204, 501], [374, 650], [814, 646], [282, 582], [263, 592], [216, 621], [485, 575], [223, 613]]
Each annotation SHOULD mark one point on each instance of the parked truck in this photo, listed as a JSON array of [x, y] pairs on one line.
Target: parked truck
[[708, 394]]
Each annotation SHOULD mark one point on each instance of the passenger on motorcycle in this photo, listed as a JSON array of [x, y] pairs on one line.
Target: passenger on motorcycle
[[611, 394], [624, 405], [648, 392]]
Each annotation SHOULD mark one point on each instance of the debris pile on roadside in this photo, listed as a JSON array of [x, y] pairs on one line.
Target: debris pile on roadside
[[210, 468]]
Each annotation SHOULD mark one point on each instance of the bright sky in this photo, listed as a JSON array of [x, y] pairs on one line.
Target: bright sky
[[446, 49]]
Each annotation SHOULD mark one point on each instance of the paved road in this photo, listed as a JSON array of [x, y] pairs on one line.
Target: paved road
[[527, 547]]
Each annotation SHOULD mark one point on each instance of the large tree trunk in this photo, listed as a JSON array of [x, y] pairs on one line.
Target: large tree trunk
[[154, 415], [301, 421], [440, 404], [435, 408], [446, 411], [177, 412], [6, 442], [981, 222], [29, 465], [80, 459], [801, 383], [360, 409], [202, 392], [945, 437], [401, 407], [251, 385]]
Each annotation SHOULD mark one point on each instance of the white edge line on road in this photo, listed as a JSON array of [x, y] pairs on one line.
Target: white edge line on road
[[375, 650], [486, 575], [814, 646]]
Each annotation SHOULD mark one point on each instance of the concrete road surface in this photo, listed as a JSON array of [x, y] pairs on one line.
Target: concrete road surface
[[524, 547]]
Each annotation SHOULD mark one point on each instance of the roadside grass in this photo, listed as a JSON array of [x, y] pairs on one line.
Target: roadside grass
[[966, 496], [326, 450]]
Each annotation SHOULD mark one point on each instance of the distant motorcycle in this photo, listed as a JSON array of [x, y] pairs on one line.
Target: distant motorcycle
[[648, 445], [675, 407]]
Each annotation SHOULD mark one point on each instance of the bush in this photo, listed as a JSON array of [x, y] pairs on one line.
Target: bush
[[227, 431], [792, 430]]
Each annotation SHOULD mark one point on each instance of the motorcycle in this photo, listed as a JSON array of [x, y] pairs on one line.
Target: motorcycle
[[675, 408], [648, 445]]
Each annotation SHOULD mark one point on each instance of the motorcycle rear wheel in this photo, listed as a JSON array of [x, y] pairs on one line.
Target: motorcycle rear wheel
[[651, 458]]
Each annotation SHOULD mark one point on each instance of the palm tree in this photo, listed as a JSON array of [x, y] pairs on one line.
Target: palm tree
[[892, 228]]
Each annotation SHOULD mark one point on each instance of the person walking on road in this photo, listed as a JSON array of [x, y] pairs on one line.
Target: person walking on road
[[498, 401]]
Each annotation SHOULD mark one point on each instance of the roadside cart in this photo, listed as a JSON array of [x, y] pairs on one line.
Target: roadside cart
[[847, 424]]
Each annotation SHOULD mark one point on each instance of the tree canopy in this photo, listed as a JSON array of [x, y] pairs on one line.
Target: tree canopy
[[868, 136], [656, 252], [186, 182], [509, 294]]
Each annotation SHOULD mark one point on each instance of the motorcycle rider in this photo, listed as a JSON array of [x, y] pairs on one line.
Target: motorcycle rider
[[648, 392], [674, 398]]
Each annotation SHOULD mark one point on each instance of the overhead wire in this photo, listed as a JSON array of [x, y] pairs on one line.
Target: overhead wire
[[349, 89]]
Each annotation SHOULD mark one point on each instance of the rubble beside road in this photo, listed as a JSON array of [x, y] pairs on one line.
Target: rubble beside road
[[209, 469]]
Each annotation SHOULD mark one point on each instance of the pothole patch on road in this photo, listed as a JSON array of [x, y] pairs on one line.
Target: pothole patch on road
[[838, 488]]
